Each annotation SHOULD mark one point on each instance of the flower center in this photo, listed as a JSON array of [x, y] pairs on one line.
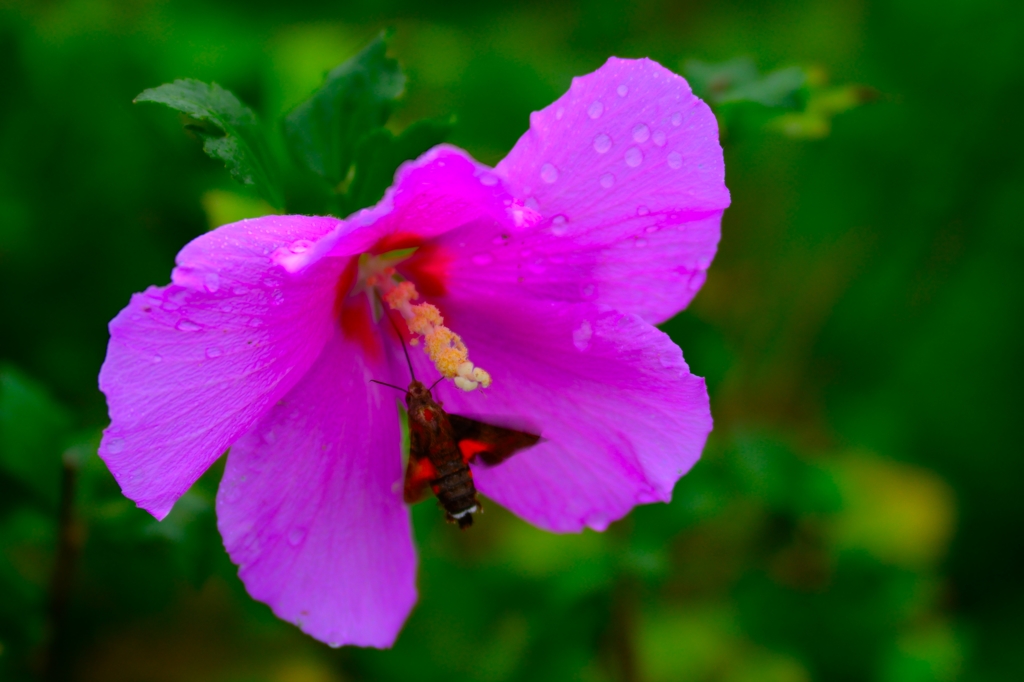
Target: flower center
[[381, 282]]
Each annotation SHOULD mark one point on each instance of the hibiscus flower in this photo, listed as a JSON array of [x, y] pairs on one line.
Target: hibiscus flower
[[533, 285]]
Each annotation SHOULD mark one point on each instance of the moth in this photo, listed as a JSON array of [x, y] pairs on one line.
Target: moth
[[441, 447]]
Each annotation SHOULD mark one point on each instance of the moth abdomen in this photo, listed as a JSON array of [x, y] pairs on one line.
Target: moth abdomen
[[457, 494]]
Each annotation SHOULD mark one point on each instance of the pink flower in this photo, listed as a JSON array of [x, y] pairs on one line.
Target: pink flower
[[551, 270]]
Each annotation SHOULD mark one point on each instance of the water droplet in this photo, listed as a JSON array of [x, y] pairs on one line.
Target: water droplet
[[641, 133], [659, 138], [642, 210], [651, 228], [640, 242], [634, 157], [488, 180], [697, 279], [270, 437], [211, 281], [559, 113], [157, 359], [548, 173], [677, 118], [300, 246], [595, 110], [115, 445], [623, 90], [587, 291], [703, 262], [239, 290], [296, 536], [482, 259], [675, 160], [255, 322], [187, 326], [214, 352], [581, 336], [558, 226], [602, 143], [607, 180]]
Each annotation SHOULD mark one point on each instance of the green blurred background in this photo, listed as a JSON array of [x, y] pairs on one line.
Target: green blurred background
[[855, 516]]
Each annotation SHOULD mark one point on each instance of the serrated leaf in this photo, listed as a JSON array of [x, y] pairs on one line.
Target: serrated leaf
[[32, 432], [379, 154], [232, 134], [356, 98]]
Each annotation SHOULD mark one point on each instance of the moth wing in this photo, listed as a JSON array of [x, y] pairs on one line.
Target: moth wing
[[488, 444], [419, 472]]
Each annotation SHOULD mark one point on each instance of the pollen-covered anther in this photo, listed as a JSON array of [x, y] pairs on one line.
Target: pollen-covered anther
[[444, 347]]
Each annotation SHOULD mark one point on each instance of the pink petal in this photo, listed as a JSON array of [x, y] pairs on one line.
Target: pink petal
[[310, 506], [627, 157], [193, 365], [622, 417]]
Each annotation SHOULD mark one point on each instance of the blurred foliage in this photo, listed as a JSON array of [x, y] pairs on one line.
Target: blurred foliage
[[855, 514]]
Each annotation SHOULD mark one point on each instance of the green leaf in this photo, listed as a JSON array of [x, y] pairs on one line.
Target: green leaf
[[232, 132], [738, 80], [379, 154], [357, 97], [32, 432]]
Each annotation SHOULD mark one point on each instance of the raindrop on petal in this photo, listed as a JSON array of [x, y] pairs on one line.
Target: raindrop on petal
[[677, 118], [548, 173], [558, 226], [115, 445], [296, 536], [488, 180], [640, 133], [642, 210], [187, 326], [559, 113], [602, 143], [607, 180], [634, 157], [213, 352], [659, 138], [300, 246], [622, 90], [211, 281], [158, 359], [675, 160], [595, 110]]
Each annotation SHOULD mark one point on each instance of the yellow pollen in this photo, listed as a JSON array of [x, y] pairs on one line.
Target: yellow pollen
[[444, 347]]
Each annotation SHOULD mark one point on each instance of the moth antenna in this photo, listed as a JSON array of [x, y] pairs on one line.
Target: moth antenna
[[401, 338], [435, 383], [383, 383]]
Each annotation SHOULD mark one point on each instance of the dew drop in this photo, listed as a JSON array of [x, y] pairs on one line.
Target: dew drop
[[482, 259], [641, 133], [255, 322], [602, 143], [659, 138], [548, 173], [641, 242], [623, 90], [675, 160], [157, 359], [581, 336], [214, 352], [296, 536], [115, 445], [488, 180], [634, 157], [703, 262], [187, 326], [300, 246], [651, 228], [697, 279], [677, 118], [642, 210], [559, 113], [211, 281], [239, 290], [607, 180], [558, 226], [595, 110], [587, 291]]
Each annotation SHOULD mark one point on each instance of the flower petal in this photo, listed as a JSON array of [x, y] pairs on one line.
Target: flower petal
[[193, 365], [627, 157], [621, 416], [310, 506]]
